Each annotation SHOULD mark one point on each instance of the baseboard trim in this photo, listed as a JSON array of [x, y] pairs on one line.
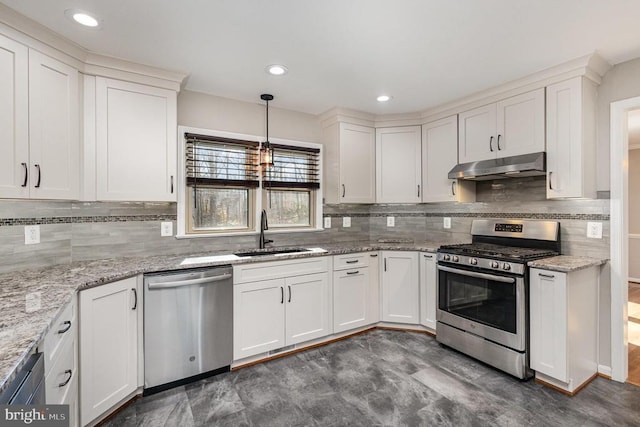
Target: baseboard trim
[[567, 392], [119, 408], [604, 371], [409, 328]]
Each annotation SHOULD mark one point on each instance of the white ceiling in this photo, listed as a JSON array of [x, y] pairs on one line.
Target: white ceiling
[[346, 52]]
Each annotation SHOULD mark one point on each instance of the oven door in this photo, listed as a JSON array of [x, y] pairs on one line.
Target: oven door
[[489, 305]]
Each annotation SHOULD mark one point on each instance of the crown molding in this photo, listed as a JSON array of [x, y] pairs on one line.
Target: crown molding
[[591, 66]]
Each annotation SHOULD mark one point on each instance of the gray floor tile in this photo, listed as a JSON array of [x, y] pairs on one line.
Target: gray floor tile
[[385, 378]]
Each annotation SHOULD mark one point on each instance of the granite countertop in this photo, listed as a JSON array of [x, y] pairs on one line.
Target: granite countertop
[[22, 331], [566, 263]]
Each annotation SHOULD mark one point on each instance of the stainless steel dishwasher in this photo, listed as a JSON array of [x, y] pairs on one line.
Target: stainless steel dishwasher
[[188, 325]]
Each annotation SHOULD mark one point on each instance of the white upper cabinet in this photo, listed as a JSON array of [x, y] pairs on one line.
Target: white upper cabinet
[[54, 130], [571, 142], [509, 127], [520, 126], [39, 125], [357, 164], [14, 119], [439, 156], [136, 139], [398, 165]]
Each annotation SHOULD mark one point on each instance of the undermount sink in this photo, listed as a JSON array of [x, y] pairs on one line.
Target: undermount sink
[[274, 251]]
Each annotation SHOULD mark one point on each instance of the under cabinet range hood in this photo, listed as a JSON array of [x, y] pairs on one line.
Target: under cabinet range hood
[[507, 167]]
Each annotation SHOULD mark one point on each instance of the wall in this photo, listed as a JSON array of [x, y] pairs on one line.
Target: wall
[[213, 112], [621, 82]]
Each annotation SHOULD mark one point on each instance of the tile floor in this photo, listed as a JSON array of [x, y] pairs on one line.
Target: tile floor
[[385, 378]]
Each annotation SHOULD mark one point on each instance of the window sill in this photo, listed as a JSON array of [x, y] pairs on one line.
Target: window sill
[[248, 233]]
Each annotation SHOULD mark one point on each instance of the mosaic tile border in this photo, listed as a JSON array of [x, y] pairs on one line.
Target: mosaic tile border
[[511, 215], [8, 222]]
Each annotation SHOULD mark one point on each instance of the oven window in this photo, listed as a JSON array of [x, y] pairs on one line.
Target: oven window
[[483, 301]]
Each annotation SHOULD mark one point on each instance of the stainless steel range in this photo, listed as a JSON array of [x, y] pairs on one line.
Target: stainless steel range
[[483, 290]]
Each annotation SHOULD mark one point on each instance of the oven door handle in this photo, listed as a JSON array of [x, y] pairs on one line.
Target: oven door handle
[[477, 275]]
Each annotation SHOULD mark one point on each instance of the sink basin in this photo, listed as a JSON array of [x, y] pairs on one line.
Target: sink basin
[[274, 251]]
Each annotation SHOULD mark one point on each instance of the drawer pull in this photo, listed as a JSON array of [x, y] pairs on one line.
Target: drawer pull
[[374, 255], [67, 324], [68, 372], [428, 256], [548, 276], [355, 261], [353, 272]]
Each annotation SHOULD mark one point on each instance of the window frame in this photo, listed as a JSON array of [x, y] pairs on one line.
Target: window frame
[[257, 193]]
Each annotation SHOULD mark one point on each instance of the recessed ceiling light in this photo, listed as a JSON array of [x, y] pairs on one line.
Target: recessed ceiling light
[[383, 98], [277, 70], [82, 18]]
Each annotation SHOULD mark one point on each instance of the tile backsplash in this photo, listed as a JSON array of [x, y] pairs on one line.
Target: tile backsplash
[[73, 231]]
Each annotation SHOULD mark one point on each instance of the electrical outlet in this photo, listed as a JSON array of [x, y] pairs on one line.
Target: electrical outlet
[[391, 221], [346, 221], [166, 229], [31, 234], [327, 222], [594, 230], [447, 222], [33, 302]]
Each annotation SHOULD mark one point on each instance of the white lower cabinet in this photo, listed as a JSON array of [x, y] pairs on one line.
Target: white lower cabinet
[[563, 330], [280, 311], [428, 284], [110, 343], [352, 289], [400, 288]]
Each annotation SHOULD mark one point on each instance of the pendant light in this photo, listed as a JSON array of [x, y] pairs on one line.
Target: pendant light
[[266, 152]]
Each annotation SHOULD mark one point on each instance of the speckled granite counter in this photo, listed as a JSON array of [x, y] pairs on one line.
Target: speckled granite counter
[[566, 263], [21, 332]]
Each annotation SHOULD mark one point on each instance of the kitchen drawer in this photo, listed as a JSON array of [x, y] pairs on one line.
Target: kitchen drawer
[[63, 329], [64, 372], [245, 273], [342, 262]]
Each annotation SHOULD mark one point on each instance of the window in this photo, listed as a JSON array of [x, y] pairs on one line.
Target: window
[[289, 186], [221, 180]]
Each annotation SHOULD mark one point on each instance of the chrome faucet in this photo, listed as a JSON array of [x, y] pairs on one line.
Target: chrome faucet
[[264, 225]]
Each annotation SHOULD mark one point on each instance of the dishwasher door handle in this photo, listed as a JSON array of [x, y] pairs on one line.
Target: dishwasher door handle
[[190, 282]]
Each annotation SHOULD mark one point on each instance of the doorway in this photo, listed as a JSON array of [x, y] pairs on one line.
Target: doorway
[[621, 112], [633, 215]]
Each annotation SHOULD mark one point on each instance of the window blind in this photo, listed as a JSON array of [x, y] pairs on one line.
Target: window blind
[[293, 167], [212, 160]]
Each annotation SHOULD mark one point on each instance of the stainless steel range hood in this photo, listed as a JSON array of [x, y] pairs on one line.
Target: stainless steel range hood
[[507, 167]]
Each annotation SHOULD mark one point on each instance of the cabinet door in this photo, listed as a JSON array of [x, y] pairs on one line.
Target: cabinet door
[[398, 165], [570, 139], [136, 142], [548, 323], [476, 130], [108, 346], [350, 299], [258, 317], [14, 119], [357, 164], [520, 126], [439, 156], [400, 288], [54, 129], [307, 313], [428, 280]]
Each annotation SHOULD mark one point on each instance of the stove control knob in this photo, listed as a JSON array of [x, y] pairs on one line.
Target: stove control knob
[[495, 264], [455, 258], [506, 266], [473, 261], [446, 257]]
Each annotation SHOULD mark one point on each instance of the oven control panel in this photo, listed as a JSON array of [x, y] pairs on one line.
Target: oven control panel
[[482, 263]]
